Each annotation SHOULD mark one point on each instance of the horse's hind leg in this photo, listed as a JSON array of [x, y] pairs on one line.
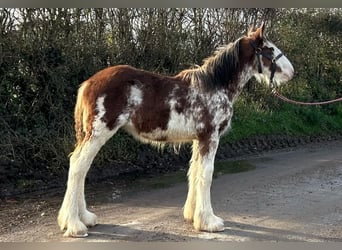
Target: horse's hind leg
[[73, 214]]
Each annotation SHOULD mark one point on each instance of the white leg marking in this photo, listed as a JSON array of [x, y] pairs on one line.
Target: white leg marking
[[190, 204], [204, 218], [73, 214], [70, 212]]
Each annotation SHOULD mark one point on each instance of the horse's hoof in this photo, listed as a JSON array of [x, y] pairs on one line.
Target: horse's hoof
[[210, 223]]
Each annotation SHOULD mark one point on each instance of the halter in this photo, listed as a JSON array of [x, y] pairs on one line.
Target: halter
[[259, 52]]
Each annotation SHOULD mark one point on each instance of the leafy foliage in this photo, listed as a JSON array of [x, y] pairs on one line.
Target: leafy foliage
[[46, 53]]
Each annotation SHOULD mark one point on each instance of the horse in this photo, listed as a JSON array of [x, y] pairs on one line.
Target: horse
[[195, 106]]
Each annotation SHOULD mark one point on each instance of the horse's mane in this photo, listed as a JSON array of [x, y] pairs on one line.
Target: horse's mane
[[217, 71]]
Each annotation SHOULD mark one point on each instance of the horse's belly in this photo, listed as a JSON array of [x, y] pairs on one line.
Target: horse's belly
[[172, 136], [158, 135], [179, 129]]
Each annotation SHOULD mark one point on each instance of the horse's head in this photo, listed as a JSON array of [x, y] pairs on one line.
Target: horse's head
[[268, 62]]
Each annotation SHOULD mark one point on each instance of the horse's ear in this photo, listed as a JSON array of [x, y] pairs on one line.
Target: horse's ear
[[260, 32], [263, 29], [251, 30]]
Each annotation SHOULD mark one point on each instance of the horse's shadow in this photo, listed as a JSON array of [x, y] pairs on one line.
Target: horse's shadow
[[110, 232], [234, 231]]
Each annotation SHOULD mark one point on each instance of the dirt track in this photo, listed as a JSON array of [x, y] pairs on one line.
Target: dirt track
[[289, 196]]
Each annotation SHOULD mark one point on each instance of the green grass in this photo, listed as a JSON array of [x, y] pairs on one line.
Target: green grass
[[253, 120]]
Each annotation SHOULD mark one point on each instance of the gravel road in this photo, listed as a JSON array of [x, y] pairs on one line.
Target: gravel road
[[289, 196]]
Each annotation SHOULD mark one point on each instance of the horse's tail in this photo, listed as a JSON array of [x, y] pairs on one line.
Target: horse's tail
[[79, 114]]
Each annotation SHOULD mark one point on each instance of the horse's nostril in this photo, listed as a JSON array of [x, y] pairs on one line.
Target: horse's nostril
[[291, 74], [288, 73]]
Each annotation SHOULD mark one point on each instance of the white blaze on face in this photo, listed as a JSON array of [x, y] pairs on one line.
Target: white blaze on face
[[286, 69], [283, 63]]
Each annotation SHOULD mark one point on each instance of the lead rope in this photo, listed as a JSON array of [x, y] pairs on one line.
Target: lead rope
[[259, 52], [285, 99]]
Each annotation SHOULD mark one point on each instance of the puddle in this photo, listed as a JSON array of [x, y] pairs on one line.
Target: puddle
[[170, 179], [231, 167], [110, 192]]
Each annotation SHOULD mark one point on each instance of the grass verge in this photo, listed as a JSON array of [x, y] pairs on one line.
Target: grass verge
[[253, 120]]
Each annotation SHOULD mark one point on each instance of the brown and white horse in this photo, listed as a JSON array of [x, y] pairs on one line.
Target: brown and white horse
[[194, 106]]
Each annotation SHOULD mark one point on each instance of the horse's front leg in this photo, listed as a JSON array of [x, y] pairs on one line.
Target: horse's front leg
[[190, 204], [204, 217]]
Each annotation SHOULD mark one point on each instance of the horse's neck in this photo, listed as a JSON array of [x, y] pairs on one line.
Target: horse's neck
[[235, 90]]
